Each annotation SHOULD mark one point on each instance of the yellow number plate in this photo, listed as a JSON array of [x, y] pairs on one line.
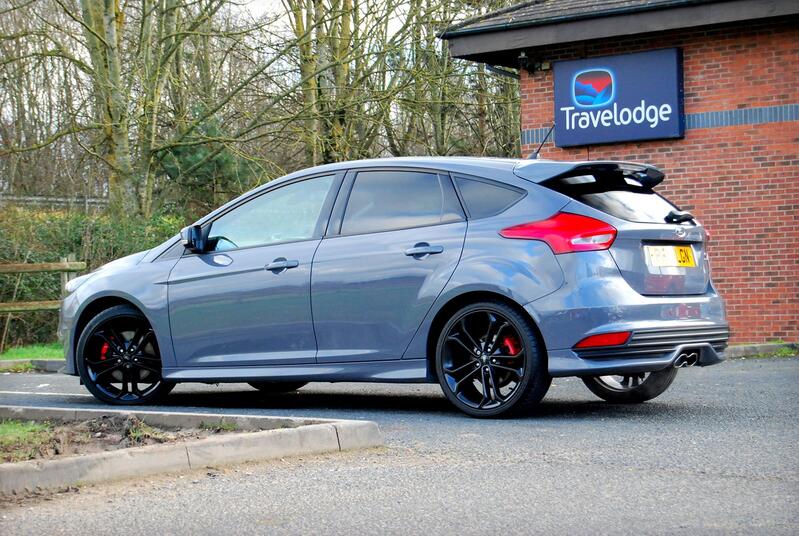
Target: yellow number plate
[[670, 256]]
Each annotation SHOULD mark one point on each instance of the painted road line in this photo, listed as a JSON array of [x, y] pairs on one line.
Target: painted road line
[[41, 393]]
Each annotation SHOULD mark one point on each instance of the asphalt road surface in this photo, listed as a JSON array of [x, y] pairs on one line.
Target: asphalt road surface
[[717, 453]]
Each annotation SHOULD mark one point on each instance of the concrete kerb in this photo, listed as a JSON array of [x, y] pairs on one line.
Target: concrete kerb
[[39, 365], [48, 365], [157, 418], [753, 350], [278, 437]]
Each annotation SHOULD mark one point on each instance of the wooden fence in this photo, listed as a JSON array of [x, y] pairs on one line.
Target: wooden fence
[[68, 267], [84, 203]]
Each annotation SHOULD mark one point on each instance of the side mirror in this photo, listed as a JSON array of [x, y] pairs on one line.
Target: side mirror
[[193, 238]]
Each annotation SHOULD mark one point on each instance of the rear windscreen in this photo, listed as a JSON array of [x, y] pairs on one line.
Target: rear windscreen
[[616, 195]]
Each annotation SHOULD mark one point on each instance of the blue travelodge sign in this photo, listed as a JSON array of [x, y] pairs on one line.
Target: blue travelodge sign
[[619, 98]]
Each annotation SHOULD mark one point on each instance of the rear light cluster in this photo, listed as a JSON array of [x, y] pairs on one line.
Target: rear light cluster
[[566, 233]]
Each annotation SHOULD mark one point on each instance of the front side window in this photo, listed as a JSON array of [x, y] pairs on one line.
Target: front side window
[[288, 214], [389, 200]]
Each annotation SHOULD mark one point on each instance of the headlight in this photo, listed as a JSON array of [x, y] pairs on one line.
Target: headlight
[[73, 284]]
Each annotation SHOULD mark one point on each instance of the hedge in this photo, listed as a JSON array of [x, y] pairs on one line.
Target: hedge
[[38, 235]]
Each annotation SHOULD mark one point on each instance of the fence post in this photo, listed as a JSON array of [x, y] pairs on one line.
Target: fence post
[[66, 277]]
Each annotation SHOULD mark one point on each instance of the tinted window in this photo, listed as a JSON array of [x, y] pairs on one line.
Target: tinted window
[[644, 207], [616, 195], [386, 200], [287, 214], [484, 198]]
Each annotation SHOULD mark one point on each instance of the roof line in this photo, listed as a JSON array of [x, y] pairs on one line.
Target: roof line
[[457, 30], [487, 15]]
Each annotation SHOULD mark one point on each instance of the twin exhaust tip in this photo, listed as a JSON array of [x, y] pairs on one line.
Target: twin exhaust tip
[[686, 360]]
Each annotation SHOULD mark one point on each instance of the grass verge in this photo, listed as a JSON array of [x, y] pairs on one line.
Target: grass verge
[[26, 440], [23, 440], [34, 351], [218, 426], [782, 352]]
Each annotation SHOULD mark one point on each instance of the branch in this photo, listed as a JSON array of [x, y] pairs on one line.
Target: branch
[[52, 139], [83, 24]]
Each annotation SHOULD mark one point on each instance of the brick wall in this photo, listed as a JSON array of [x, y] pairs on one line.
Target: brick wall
[[741, 179]]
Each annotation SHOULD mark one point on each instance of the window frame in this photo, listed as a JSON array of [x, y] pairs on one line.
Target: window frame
[[321, 222], [339, 209], [490, 182]]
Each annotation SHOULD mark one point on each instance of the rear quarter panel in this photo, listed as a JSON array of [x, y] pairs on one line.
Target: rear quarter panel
[[521, 270]]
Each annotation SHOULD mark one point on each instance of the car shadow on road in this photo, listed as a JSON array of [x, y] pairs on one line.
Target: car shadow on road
[[325, 404], [310, 401]]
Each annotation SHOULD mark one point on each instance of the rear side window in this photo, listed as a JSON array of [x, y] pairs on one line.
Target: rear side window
[[389, 200], [484, 198], [616, 195]]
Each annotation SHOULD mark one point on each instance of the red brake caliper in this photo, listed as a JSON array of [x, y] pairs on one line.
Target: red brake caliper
[[104, 351], [511, 345]]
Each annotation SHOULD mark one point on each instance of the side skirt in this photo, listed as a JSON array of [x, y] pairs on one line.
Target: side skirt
[[397, 371]]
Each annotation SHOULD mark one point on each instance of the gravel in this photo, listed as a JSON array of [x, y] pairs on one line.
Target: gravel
[[714, 454]]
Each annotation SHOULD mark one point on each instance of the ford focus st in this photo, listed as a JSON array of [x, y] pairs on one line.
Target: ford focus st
[[487, 276]]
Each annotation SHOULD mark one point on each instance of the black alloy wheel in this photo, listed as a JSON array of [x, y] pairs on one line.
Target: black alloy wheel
[[489, 361], [118, 359], [632, 388]]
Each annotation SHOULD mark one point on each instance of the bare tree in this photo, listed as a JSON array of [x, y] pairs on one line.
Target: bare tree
[[187, 102]]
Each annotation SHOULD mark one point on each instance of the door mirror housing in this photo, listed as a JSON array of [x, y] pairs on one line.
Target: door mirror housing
[[193, 238]]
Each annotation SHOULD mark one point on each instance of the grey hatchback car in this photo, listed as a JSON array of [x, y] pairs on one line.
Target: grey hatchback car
[[489, 276]]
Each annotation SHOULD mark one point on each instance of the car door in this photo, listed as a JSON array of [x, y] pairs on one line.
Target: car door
[[246, 301], [393, 244]]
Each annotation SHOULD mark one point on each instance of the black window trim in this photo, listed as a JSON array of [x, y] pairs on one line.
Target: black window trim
[[337, 216], [173, 251], [491, 182], [321, 222]]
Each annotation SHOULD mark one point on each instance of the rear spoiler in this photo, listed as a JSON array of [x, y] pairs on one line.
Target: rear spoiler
[[541, 170]]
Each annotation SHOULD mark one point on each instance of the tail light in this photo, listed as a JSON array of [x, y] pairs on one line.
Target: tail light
[[604, 339], [566, 233]]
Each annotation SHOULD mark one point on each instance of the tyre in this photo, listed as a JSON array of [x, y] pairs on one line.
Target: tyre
[[118, 359], [489, 361], [277, 388], [631, 388]]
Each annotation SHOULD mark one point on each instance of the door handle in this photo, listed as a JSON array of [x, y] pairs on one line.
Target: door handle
[[423, 248], [280, 264]]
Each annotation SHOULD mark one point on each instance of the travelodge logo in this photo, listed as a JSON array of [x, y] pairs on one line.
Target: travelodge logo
[[596, 88], [593, 88], [618, 98]]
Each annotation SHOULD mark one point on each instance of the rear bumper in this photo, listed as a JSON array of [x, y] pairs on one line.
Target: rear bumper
[[570, 363], [596, 299]]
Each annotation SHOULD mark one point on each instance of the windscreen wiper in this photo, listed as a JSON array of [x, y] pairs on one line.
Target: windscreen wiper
[[678, 216]]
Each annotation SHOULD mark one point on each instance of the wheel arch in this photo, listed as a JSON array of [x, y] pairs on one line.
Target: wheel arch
[[96, 306], [461, 300]]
